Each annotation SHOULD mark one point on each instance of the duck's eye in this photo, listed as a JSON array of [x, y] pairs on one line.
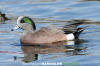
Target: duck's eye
[[22, 21]]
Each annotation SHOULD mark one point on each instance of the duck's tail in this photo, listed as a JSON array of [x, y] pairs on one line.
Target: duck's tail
[[73, 29], [78, 32]]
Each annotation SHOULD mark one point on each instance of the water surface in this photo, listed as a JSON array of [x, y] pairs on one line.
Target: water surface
[[45, 12]]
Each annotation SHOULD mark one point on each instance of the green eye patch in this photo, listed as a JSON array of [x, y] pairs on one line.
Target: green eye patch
[[27, 20]]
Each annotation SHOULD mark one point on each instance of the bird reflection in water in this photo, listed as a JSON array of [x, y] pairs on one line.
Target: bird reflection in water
[[79, 48], [31, 52]]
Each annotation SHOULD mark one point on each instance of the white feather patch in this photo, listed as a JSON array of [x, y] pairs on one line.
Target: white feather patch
[[70, 36]]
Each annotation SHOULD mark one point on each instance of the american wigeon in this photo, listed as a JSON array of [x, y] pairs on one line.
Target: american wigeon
[[45, 34]]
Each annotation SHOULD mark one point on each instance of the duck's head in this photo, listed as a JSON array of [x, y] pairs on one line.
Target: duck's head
[[25, 23]]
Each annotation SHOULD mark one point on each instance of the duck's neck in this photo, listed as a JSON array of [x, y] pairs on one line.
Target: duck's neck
[[28, 29]]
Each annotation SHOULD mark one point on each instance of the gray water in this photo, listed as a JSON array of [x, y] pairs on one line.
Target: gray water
[[85, 52]]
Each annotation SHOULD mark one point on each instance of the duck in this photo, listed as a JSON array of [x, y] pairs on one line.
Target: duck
[[3, 18], [44, 35]]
